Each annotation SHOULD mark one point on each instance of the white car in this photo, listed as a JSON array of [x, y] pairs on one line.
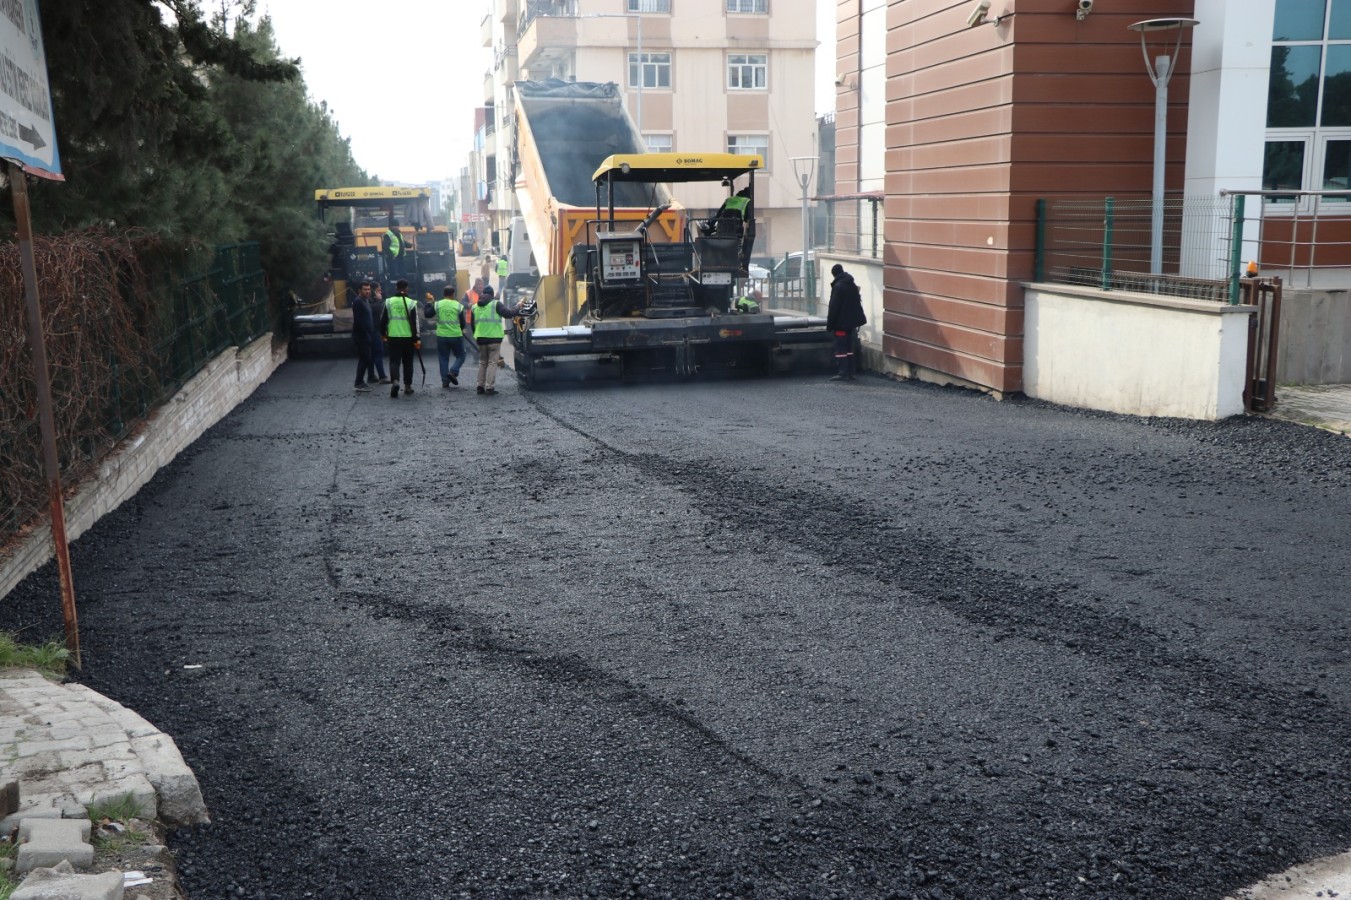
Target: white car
[[758, 272]]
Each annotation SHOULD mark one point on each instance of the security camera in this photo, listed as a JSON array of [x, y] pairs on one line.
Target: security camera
[[1085, 7], [978, 12]]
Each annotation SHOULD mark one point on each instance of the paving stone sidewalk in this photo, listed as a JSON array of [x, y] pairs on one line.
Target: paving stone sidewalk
[[67, 748]]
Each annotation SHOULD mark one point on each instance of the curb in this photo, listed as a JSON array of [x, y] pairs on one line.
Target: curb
[[71, 748]]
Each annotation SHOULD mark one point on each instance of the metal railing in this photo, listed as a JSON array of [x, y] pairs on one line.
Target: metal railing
[[533, 9], [1304, 234], [853, 223]]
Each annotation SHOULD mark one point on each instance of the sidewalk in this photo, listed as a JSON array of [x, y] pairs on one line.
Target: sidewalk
[[1325, 406], [67, 748]]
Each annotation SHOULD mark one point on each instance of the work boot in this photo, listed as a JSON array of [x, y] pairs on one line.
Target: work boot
[[407, 389], [394, 391], [490, 391], [480, 390], [362, 389], [454, 379]]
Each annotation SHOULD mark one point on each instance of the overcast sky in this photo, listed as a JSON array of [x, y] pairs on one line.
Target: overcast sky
[[403, 78]]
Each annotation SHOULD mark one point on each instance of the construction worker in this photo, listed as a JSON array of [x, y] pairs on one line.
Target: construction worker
[[748, 303], [392, 245], [398, 323], [501, 274], [449, 315], [487, 317], [736, 217]]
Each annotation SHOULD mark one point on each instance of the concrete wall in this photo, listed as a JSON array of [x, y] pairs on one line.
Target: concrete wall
[[1134, 353], [1315, 338], [225, 383]]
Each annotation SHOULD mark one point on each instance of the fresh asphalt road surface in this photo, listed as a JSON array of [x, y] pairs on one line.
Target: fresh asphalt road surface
[[772, 638]]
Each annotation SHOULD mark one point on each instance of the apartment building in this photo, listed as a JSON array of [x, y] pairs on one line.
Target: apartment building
[[697, 75]]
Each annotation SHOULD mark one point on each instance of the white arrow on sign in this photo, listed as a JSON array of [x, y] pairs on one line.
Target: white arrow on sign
[[27, 122]]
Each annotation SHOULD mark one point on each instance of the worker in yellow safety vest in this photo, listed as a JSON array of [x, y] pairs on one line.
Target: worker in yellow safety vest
[[394, 248], [398, 324], [449, 314], [487, 317]]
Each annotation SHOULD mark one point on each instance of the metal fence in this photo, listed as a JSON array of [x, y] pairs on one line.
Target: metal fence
[[120, 342], [1208, 243], [223, 307], [1106, 243]]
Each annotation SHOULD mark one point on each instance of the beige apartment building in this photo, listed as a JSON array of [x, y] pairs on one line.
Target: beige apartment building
[[697, 75]]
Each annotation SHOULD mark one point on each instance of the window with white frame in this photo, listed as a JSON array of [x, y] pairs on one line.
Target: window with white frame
[[649, 6], [748, 6], [652, 70], [657, 143], [747, 71], [1308, 135], [749, 145]]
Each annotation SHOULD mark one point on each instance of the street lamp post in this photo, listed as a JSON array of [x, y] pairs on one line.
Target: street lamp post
[[639, 92], [804, 167], [1160, 70]]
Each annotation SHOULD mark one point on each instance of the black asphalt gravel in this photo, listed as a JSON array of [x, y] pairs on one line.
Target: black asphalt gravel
[[769, 638]]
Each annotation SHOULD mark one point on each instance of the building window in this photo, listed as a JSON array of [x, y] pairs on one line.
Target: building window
[[649, 6], [657, 143], [652, 71], [1308, 122], [750, 71], [748, 6], [749, 145]]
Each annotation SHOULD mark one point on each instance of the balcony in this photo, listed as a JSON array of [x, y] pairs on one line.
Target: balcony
[[487, 30], [548, 34], [563, 9]]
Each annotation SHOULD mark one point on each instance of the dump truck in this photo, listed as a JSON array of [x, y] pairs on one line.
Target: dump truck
[[630, 283]]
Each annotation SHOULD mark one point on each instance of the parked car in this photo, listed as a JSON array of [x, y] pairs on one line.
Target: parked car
[[757, 272], [790, 266]]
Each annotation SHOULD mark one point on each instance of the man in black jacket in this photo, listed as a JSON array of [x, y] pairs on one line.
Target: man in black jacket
[[363, 331], [843, 319]]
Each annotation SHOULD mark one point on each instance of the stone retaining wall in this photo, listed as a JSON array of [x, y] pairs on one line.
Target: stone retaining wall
[[222, 385]]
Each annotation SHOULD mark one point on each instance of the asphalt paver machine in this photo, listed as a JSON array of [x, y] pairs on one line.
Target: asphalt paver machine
[[655, 294]]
